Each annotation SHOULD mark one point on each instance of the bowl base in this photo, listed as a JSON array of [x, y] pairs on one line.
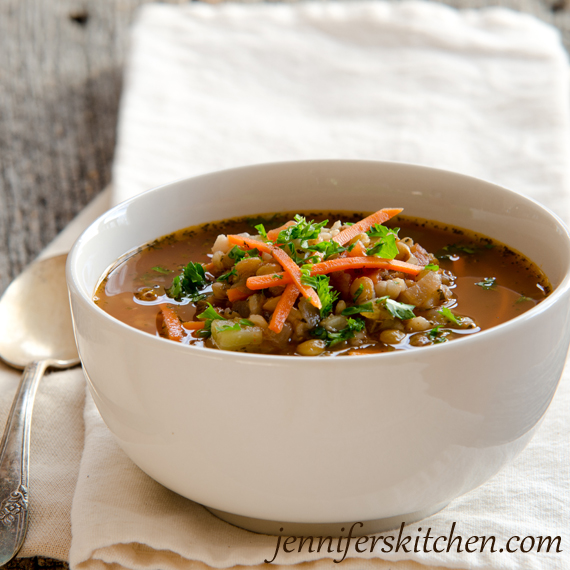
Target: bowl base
[[359, 528]]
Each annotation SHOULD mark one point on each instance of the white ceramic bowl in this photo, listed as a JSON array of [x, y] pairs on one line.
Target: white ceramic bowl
[[324, 440]]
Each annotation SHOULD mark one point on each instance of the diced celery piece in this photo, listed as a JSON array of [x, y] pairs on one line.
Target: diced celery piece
[[226, 337]]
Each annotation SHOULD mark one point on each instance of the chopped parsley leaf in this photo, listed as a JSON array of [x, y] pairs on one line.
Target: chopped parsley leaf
[[333, 338], [328, 248], [227, 275], [460, 248], [488, 283], [189, 282], [385, 248], [446, 312], [326, 294], [449, 256], [160, 269], [292, 253], [357, 294], [261, 230], [210, 314], [437, 336], [306, 277], [432, 267], [523, 299], [237, 253], [364, 308], [451, 251], [398, 310], [321, 284], [378, 230], [175, 290], [302, 230]]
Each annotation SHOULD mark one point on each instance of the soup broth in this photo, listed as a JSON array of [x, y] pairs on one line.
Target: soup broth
[[462, 283]]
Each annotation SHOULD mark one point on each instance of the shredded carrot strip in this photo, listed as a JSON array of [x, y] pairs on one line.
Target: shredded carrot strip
[[293, 270], [283, 308], [250, 243], [172, 323], [274, 279], [208, 266], [193, 325], [238, 293], [273, 234], [379, 217], [290, 267]]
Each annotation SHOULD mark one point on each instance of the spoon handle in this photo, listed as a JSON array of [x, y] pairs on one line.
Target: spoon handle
[[14, 456]]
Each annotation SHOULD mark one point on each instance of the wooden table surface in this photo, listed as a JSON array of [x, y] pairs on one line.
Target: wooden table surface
[[61, 64]]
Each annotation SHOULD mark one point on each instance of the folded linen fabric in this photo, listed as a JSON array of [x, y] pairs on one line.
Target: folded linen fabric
[[208, 87]]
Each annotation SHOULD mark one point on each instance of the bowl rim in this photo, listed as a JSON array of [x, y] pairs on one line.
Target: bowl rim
[[73, 281]]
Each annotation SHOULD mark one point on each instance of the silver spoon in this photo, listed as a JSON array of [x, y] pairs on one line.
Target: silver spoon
[[35, 333]]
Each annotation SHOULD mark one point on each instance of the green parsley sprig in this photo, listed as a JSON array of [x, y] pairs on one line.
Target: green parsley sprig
[[398, 310], [333, 338], [302, 230], [210, 314], [226, 276], [355, 309], [237, 253], [385, 247], [437, 336], [446, 312], [321, 284], [188, 283]]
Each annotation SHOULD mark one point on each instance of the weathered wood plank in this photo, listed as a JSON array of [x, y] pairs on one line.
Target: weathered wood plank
[[60, 82]]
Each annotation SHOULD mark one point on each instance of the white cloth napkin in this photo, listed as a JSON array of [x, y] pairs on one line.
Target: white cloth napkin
[[208, 87]]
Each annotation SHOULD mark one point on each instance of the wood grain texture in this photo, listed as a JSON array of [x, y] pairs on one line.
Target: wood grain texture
[[61, 65], [60, 81]]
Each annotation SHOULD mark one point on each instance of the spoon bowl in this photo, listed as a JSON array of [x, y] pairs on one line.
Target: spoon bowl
[[36, 333]]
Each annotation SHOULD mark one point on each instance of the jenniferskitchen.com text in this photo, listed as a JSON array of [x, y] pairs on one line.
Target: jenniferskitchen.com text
[[400, 542]]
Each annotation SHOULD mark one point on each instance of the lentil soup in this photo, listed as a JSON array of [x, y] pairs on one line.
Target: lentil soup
[[336, 283]]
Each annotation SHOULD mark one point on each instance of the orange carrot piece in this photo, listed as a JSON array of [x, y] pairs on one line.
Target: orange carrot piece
[[194, 325], [341, 264], [264, 281], [293, 270], [273, 234], [368, 262], [290, 267], [358, 250], [208, 266], [364, 225], [283, 308], [172, 323], [238, 293], [250, 243]]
